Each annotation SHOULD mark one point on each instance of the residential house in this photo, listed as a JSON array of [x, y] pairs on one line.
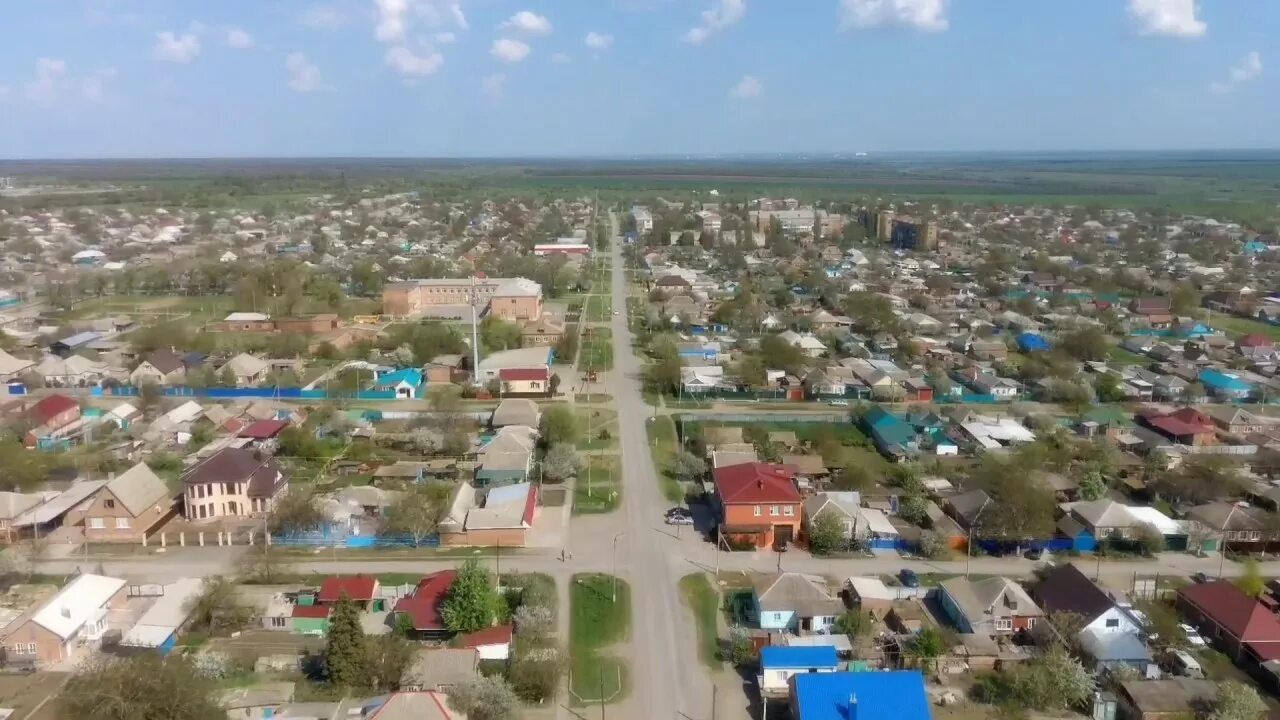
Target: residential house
[[161, 367], [780, 663], [543, 331], [845, 506], [234, 482], [794, 602], [127, 507], [1109, 634], [247, 369], [1255, 345], [805, 342], [508, 457], [52, 416], [967, 508], [891, 695], [894, 437], [66, 625], [525, 381], [1240, 626], [1224, 386], [992, 606], [260, 701], [491, 643], [1168, 698], [422, 607], [1234, 526], [1103, 519], [73, 371], [516, 411], [757, 503], [406, 383], [12, 506], [501, 516], [1237, 421], [359, 589], [13, 368], [1186, 426]]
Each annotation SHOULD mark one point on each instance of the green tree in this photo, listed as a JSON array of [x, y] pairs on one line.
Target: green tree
[[346, 650], [687, 467], [1088, 342], [499, 334], [298, 511], [1150, 540], [855, 624], [826, 534], [485, 698], [472, 600], [926, 647], [1250, 581], [742, 651], [561, 463], [914, 509], [140, 686], [217, 609], [418, 511], [390, 655], [560, 425], [1092, 486], [1237, 701]]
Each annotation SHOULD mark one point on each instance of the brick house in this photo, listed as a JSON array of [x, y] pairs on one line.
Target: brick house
[[757, 503], [423, 606], [50, 415], [124, 509], [233, 483], [1231, 621], [65, 625], [543, 331], [525, 381], [992, 606]]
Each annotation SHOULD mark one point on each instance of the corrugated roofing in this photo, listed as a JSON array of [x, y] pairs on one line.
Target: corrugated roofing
[[780, 657], [76, 604], [895, 695]]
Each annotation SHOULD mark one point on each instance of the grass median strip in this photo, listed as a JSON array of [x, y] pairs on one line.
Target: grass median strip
[[665, 445], [598, 620], [598, 488], [704, 603]]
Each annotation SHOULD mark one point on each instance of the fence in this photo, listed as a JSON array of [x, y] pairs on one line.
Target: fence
[[222, 393], [341, 538], [1083, 543]]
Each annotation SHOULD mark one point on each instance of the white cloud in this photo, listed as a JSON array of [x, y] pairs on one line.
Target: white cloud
[[528, 22], [176, 48], [1174, 18], [508, 50], [1247, 69], [304, 76], [237, 38], [455, 10], [391, 19], [395, 18], [748, 87], [719, 16], [492, 85], [445, 38], [598, 41], [323, 17], [53, 83], [411, 65], [922, 15], [561, 59]]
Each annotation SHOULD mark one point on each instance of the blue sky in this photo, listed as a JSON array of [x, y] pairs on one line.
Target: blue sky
[[159, 78]]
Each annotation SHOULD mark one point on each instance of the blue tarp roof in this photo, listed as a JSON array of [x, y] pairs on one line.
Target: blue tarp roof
[[1219, 380], [1031, 342], [894, 695], [798, 657]]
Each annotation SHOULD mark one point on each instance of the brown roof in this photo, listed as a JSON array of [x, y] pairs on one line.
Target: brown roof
[[166, 361], [238, 465], [1066, 589]]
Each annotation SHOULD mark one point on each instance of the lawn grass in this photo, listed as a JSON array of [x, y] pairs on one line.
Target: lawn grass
[[599, 420], [1120, 356], [665, 445], [597, 308], [1234, 326], [599, 486], [596, 622], [597, 350], [703, 601]]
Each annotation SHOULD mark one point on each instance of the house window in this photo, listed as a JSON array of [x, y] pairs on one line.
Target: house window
[[109, 503], [97, 523], [31, 648], [277, 622], [789, 510], [122, 523], [1113, 622], [1004, 624], [1254, 535], [757, 511], [773, 511]]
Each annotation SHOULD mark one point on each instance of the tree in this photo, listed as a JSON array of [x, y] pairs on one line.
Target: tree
[[855, 624], [559, 425], [742, 651], [1185, 298], [139, 686], [297, 511], [687, 467], [1092, 486], [226, 377], [535, 676], [1054, 681], [485, 698], [826, 534], [217, 609], [1199, 479], [499, 334], [933, 545], [1150, 539], [1088, 342], [561, 463], [1237, 701], [914, 509], [926, 647], [418, 511], [390, 655], [534, 623], [472, 600], [346, 651], [1250, 581]]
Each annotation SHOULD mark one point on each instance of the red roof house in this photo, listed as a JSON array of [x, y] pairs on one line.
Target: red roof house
[[1239, 625], [1187, 425], [49, 415], [757, 503], [357, 588], [491, 643], [1254, 340], [423, 606], [263, 429]]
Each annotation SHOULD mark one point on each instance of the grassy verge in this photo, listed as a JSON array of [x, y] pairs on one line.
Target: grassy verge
[[599, 487], [1121, 356], [596, 622], [664, 444], [1244, 326], [597, 308], [597, 350], [604, 428], [703, 602]]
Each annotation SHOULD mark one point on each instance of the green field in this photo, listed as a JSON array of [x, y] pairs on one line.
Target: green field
[[599, 486], [597, 308], [704, 602], [1234, 326], [597, 350], [665, 445], [597, 621], [599, 421], [1120, 356]]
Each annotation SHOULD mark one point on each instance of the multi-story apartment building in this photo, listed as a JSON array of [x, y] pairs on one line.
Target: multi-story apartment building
[[507, 298]]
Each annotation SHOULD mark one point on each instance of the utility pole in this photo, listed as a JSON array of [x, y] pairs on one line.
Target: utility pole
[[615, 565], [497, 562], [601, 669]]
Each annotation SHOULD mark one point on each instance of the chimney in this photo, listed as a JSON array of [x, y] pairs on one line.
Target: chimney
[[853, 707], [760, 483]]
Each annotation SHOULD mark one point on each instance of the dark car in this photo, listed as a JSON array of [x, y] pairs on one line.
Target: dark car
[[679, 516], [909, 578], [1199, 578]]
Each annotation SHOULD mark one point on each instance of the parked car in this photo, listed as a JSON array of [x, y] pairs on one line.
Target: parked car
[[1199, 578], [679, 516], [1183, 664], [1193, 635], [839, 403], [909, 578]]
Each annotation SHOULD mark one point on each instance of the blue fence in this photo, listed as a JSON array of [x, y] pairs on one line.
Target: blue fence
[[1006, 547], [968, 399], [227, 393], [341, 538], [898, 544]]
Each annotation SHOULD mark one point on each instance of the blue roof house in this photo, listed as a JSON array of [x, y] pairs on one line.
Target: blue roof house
[[894, 437], [1031, 342], [406, 383], [893, 695], [779, 663], [1223, 385]]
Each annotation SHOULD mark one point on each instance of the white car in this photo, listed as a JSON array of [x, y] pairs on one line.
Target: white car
[[839, 403], [1193, 636]]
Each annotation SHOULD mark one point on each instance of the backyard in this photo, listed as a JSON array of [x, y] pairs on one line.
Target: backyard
[[597, 622]]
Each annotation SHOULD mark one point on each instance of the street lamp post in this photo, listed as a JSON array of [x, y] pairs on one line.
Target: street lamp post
[[615, 565]]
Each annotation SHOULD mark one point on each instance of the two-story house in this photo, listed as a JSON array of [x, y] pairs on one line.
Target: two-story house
[[757, 503], [1109, 634], [233, 482], [124, 509]]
